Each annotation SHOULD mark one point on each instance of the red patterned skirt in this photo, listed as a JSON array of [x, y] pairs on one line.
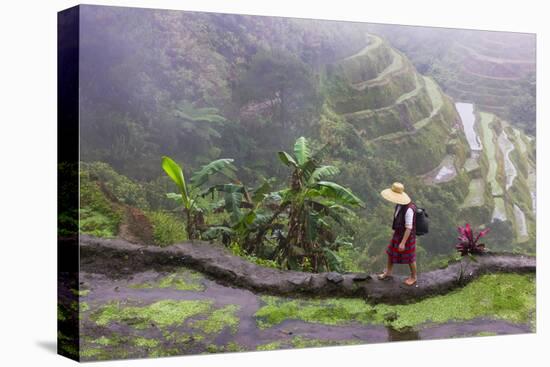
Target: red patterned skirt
[[406, 257]]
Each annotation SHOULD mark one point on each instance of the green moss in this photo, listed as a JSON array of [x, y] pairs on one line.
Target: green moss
[[219, 320], [104, 341], [510, 297], [181, 338], [229, 347], [301, 342], [270, 346], [486, 333], [183, 280], [330, 311], [167, 352], [84, 306], [162, 313], [145, 342], [62, 313], [90, 352], [81, 292]]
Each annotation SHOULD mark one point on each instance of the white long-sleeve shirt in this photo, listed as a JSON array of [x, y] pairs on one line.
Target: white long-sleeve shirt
[[408, 216]]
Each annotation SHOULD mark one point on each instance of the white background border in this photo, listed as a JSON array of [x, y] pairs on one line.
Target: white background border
[[28, 182]]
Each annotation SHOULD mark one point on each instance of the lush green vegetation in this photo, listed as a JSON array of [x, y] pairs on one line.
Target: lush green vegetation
[[301, 217], [98, 215], [249, 92], [500, 296], [167, 228]]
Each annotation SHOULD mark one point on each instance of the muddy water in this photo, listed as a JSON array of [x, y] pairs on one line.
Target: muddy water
[[249, 336], [445, 172], [466, 112]]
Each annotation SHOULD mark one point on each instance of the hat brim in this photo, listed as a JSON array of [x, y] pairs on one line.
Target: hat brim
[[394, 197]]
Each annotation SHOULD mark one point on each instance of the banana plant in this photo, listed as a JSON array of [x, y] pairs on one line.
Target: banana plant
[[189, 193], [314, 204], [252, 213]]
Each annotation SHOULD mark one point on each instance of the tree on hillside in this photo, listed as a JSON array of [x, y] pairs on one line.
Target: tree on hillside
[[284, 84]]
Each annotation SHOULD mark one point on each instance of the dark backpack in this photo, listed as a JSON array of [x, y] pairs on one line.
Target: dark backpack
[[422, 222]]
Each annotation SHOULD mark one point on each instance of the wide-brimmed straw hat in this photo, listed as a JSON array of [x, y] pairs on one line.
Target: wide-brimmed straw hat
[[396, 194]]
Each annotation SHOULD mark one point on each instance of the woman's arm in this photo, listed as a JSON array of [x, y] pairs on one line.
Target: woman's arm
[[408, 228], [405, 238]]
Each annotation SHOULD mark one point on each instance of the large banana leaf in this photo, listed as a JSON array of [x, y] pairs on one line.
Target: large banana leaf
[[334, 260], [224, 166], [224, 188], [338, 193], [301, 151], [233, 205], [175, 172], [307, 170], [323, 172], [262, 191], [287, 159]]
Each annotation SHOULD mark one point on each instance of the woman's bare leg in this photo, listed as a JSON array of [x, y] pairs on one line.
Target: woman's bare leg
[[389, 266], [412, 279], [388, 271]]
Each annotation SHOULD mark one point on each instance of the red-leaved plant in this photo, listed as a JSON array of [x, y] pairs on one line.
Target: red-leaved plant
[[468, 244]]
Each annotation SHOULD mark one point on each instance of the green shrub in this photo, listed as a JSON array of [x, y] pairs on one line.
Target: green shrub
[[167, 228], [124, 189], [237, 250], [97, 214]]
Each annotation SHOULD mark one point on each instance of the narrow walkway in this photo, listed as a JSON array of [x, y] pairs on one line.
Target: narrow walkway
[[217, 262]]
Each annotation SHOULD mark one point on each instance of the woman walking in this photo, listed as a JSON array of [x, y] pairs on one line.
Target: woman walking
[[402, 248]]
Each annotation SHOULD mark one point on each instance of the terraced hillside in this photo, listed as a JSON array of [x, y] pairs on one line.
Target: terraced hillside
[[507, 183], [392, 107], [403, 116], [494, 70], [490, 69]]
